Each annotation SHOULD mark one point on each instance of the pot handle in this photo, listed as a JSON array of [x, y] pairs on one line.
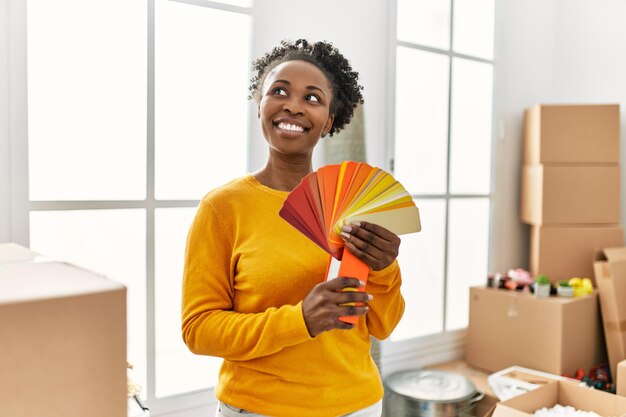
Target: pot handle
[[478, 395]]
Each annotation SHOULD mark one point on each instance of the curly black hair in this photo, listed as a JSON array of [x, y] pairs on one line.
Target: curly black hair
[[344, 81]]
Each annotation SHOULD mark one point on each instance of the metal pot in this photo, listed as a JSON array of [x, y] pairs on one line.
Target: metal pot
[[428, 393]]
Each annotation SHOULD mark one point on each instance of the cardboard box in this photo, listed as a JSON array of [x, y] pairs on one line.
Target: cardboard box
[[574, 194], [63, 333], [569, 251], [621, 378], [517, 380], [562, 393], [572, 134], [610, 274], [554, 335]]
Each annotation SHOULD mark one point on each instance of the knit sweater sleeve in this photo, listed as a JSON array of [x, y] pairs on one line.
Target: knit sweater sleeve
[[210, 326], [387, 307]]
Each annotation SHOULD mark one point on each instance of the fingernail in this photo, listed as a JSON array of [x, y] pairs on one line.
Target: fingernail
[[361, 283], [345, 235], [346, 229], [370, 297], [357, 224]]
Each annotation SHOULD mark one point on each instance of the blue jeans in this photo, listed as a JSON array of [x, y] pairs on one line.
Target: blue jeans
[[225, 410]]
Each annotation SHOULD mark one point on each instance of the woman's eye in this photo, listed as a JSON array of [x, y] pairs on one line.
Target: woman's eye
[[280, 91], [313, 97]]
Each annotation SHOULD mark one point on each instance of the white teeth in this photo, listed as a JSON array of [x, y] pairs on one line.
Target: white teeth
[[290, 127]]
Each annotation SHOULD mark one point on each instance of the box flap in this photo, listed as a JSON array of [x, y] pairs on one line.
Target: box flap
[[617, 254], [589, 399], [544, 396], [525, 379], [611, 280], [506, 411]]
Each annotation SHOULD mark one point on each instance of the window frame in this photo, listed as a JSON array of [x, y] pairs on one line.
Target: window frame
[[398, 355], [447, 345], [183, 404]]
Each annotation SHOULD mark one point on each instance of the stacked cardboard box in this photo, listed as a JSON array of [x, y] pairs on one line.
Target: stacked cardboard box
[[570, 188]]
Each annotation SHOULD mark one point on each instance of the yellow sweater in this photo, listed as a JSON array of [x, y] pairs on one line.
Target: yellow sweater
[[246, 273]]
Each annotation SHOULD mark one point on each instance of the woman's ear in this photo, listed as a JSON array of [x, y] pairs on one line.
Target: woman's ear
[[328, 125]]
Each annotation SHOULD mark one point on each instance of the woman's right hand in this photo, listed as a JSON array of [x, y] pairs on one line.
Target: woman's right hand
[[325, 303]]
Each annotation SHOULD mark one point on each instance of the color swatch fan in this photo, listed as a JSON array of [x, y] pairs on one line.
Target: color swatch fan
[[336, 195]]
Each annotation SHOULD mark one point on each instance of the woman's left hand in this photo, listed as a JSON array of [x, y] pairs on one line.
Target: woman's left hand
[[373, 244]]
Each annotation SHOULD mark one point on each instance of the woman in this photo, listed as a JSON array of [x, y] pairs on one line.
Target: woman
[[254, 289]]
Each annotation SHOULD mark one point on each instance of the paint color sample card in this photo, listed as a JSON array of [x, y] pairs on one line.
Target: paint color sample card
[[338, 194]]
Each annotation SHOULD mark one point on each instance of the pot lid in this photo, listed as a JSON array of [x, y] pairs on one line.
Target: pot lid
[[438, 386]]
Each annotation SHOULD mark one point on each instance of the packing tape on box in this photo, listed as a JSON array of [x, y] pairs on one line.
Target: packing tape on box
[[616, 326]]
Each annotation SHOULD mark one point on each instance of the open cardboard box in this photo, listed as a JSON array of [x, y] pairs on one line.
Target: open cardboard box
[[62, 339], [562, 393], [517, 380], [610, 272]]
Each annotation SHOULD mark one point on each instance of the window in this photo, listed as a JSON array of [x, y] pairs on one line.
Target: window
[[125, 124], [123, 132], [442, 154]]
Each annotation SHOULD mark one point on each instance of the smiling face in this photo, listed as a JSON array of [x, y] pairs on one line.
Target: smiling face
[[294, 110]]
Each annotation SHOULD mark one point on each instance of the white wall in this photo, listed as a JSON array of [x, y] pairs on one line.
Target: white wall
[[5, 150], [556, 51], [358, 28], [591, 60], [547, 51]]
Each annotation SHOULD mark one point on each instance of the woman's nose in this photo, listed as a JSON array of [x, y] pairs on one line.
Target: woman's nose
[[293, 106]]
